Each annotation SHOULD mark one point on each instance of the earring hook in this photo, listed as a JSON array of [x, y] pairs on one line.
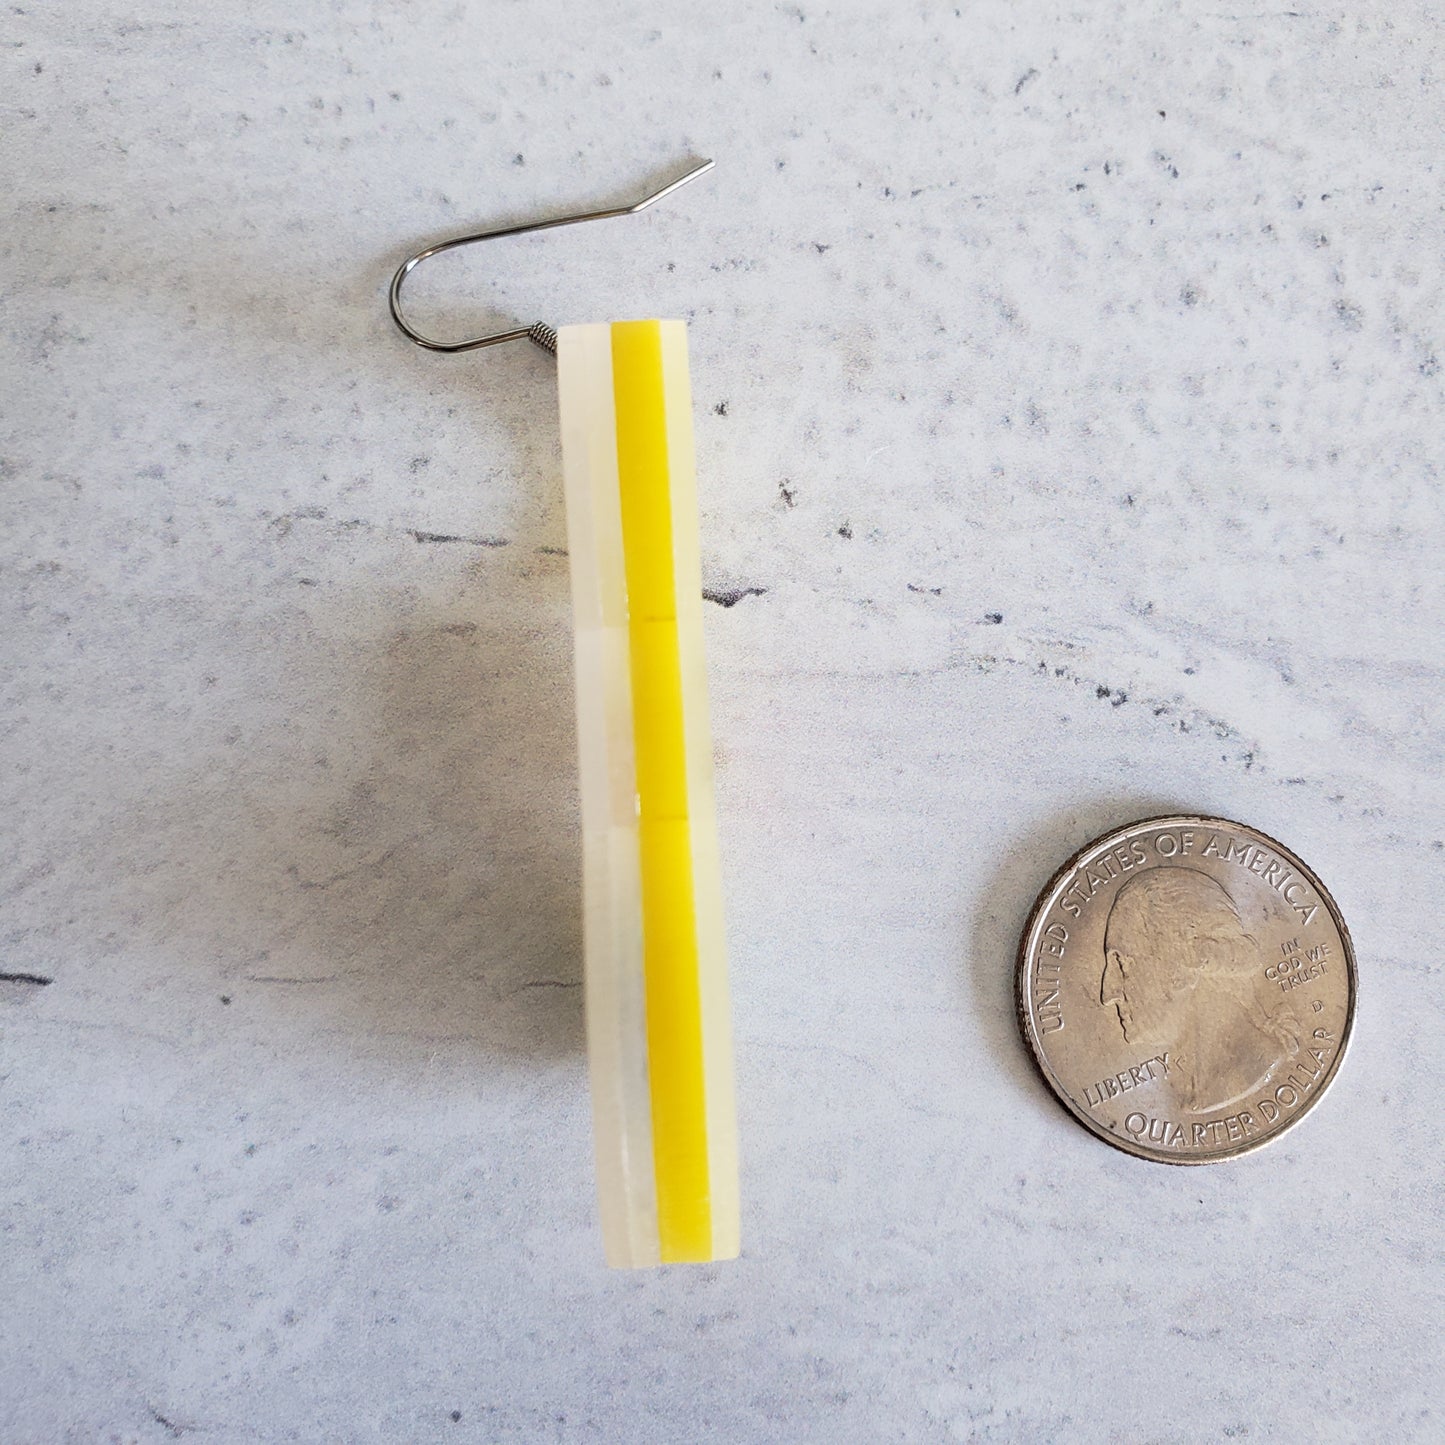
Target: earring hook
[[544, 335]]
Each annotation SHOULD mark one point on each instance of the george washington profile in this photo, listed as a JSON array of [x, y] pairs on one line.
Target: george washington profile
[[1182, 973]]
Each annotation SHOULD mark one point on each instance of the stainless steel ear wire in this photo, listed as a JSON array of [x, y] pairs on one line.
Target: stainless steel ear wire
[[545, 336]]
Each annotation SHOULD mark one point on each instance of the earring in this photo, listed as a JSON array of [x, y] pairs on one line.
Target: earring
[[659, 1040]]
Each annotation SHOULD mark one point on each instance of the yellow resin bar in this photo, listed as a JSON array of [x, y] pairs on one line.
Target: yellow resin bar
[[658, 1033]]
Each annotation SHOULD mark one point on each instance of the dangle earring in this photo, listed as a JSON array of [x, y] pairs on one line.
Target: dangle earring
[[659, 1039]]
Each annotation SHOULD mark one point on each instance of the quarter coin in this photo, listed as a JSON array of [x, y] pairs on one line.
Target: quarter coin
[[1187, 988]]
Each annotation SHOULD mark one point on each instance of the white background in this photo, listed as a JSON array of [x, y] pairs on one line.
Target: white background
[[1119, 323]]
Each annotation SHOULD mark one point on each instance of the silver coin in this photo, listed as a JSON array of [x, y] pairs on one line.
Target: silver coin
[[1186, 986]]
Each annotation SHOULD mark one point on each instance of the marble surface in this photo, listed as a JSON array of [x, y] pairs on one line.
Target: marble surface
[[1069, 389]]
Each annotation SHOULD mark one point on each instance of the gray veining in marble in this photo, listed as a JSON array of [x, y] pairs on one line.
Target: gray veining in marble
[[1069, 406]]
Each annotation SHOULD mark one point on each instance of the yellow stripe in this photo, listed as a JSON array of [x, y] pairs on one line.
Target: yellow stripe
[[669, 923]]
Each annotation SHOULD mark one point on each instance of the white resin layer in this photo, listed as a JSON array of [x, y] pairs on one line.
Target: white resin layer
[[612, 898]]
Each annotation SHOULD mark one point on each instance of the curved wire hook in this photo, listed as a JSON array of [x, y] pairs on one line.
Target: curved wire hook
[[539, 331]]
